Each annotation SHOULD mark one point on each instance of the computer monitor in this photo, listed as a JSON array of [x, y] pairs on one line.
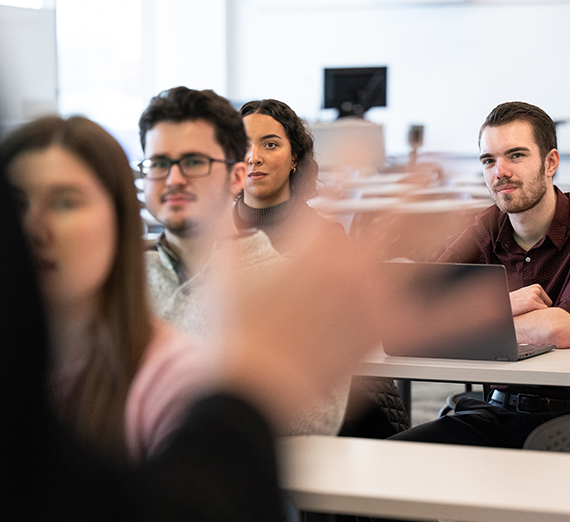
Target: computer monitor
[[354, 90]]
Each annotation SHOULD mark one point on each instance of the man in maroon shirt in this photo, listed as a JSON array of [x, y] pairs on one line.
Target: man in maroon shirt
[[527, 231]]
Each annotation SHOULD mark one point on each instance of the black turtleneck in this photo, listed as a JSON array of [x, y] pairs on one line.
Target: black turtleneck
[[271, 219], [263, 218]]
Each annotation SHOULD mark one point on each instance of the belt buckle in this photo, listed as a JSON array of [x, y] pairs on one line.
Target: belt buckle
[[527, 397]]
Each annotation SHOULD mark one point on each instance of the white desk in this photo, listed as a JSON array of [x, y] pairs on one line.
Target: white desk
[[425, 481], [551, 368]]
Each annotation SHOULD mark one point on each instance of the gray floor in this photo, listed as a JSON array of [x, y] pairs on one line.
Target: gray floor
[[429, 397]]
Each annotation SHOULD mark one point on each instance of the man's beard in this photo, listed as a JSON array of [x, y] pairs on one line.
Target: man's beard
[[527, 196], [193, 227], [183, 228]]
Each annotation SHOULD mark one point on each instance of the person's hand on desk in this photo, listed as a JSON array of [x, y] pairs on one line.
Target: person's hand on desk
[[545, 326], [536, 320], [528, 299]]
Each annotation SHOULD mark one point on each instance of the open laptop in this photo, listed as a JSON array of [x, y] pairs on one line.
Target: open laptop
[[438, 286]]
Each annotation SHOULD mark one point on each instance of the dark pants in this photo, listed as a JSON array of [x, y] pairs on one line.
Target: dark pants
[[479, 423]]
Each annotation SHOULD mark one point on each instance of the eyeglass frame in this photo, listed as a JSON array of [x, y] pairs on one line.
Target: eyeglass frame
[[181, 169]]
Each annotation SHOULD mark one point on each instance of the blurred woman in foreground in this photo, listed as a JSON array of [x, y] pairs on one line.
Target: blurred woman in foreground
[[74, 188]]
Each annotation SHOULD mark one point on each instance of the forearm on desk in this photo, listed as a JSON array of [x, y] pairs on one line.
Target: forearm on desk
[[546, 326]]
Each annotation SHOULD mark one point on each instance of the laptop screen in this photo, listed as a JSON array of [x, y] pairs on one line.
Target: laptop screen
[[463, 310]]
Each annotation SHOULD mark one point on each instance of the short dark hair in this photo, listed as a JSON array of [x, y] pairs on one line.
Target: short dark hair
[[302, 182], [181, 104], [543, 127]]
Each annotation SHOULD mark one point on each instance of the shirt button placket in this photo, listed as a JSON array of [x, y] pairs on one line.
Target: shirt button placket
[[528, 275]]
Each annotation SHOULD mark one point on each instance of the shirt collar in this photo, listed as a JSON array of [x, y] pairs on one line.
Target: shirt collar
[[174, 264], [170, 259]]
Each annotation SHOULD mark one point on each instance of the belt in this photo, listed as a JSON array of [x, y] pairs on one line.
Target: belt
[[528, 403]]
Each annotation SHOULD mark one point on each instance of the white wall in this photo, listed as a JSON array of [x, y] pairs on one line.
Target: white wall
[[184, 44], [100, 60], [28, 70], [449, 65]]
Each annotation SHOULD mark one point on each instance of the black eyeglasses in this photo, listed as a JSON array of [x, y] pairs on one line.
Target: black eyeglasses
[[190, 165]]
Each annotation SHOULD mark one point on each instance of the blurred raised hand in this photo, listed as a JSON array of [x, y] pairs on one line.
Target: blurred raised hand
[[289, 336]]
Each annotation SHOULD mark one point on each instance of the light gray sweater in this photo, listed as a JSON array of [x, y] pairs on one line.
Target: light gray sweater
[[190, 305]]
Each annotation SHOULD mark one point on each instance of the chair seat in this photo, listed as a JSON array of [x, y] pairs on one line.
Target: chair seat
[[553, 435]]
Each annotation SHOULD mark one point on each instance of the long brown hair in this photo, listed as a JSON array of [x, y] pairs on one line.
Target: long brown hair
[[123, 329]]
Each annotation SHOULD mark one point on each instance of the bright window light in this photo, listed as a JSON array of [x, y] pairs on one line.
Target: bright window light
[[29, 4], [100, 65]]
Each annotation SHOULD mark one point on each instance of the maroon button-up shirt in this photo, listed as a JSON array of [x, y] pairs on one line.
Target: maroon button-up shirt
[[490, 240]]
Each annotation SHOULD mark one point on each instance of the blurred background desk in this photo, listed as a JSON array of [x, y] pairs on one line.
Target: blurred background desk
[[421, 481], [401, 203]]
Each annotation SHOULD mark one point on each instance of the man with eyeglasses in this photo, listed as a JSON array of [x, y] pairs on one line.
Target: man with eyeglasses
[[195, 144]]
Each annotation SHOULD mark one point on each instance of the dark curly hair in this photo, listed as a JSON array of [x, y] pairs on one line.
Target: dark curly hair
[[181, 104], [302, 182], [543, 127]]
